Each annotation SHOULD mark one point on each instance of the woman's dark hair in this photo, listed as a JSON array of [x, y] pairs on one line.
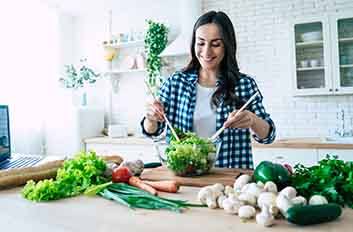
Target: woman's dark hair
[[229, 69]]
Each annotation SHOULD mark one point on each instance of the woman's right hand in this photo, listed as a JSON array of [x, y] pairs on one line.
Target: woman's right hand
[[155, 111]]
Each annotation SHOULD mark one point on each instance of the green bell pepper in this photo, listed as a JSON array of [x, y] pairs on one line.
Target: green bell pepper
[[268, 171]]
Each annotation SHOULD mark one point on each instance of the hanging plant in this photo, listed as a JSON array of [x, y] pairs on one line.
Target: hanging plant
[[156, 39]]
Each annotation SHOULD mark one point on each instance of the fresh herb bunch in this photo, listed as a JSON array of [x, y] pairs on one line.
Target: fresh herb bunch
[[332, 178], [190, 155], [133, 197], [73, 178], [76, 79], [156, 39]]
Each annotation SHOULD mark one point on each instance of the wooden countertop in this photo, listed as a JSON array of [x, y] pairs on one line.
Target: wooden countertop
[[99, 215], [316, 143]]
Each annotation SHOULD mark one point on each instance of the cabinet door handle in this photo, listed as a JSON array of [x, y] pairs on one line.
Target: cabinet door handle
[[336, 90], [330, 90]]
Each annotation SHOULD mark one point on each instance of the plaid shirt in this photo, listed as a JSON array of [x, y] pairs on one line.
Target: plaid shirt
[[178, 96]]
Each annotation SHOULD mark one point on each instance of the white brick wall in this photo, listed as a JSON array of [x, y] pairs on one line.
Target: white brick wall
[[263, 35]]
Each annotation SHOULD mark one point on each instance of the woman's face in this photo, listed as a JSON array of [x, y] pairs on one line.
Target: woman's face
[[209, 47]]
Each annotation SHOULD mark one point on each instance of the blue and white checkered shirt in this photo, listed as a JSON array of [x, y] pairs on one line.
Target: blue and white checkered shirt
[[178, 96]]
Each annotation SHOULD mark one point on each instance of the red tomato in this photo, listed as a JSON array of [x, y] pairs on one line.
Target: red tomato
[[121, 174]]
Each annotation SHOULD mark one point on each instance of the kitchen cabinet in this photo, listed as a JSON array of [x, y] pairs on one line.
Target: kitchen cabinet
[[307, 157], [322, 54], [346, 155]]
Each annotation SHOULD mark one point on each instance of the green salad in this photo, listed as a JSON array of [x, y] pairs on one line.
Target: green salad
[[191, 155]]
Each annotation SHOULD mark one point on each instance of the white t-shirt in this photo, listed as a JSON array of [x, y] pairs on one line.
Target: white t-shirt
[[204, 117]]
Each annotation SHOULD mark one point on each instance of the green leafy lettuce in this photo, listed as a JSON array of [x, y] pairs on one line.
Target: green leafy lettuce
[[190, 155], [73, 178]]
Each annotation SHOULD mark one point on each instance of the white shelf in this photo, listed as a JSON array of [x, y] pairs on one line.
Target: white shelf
[[310, 69], [122, 71], [310, 44], [136, 43], [346, 66], [346, 40]]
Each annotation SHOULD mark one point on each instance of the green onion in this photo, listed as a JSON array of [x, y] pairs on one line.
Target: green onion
[[136, 198]]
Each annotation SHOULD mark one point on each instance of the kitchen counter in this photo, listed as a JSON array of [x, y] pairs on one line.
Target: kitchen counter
[[316, 143], [97, 215]]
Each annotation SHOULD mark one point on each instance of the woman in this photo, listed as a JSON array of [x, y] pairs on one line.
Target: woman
[[206, 94]]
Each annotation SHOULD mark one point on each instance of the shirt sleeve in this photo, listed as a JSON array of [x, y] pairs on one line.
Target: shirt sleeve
[[258, 108], [164, 94]]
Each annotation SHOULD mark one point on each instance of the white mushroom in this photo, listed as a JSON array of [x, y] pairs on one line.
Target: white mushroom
[[289, 192], [260, 184], [265, 218], [283, 204], [217, 190], [241, 181], [253, 189], [270, 187], [211, 203], [228, 190], [231, 206], [220, 200], [246, 212], [248, 199], [233, 198], [218, 187], [318, 200], [274, 210], [204, 194], [299, 200], [266, 198], [234, 194]]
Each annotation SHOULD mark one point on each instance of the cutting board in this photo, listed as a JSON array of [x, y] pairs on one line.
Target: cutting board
[[224, 176]]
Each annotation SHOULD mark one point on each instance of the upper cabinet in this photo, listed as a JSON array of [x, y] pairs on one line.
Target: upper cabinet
[[342, 37], [323, 55]]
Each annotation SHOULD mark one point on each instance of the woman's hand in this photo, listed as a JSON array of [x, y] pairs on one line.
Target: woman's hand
[[247, 119], [155, 111], [244, 119]]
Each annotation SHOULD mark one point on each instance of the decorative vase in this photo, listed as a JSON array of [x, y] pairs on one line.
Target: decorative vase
[[79, 97]]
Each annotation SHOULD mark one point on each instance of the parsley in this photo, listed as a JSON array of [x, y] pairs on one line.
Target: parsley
[[332, 178]]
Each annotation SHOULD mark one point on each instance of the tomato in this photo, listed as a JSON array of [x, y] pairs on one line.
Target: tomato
[[121, 174]]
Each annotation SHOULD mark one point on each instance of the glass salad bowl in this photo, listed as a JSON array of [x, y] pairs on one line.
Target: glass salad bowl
[[188, 157]]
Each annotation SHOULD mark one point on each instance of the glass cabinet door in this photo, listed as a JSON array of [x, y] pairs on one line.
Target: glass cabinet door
[[310, 56], [345, 51]]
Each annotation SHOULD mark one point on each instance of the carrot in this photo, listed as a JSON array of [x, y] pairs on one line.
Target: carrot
[[138, 183], [170, 186]]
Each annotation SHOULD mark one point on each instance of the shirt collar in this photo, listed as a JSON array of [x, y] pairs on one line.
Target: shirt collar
[[193, 76]]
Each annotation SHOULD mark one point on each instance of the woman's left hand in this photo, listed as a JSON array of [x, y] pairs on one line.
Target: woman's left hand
[[244, 119]]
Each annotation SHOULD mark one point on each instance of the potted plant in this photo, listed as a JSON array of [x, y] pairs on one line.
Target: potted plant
[[76, 79], [156, 39]]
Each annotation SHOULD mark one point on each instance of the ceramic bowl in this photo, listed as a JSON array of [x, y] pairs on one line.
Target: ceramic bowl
[[311, 36]]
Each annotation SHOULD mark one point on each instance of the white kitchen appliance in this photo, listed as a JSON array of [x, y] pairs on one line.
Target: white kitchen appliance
[[65, 131]]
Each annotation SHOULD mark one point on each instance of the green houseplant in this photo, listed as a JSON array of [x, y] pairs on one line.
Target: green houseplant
[[78, 78], [156, 39]]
